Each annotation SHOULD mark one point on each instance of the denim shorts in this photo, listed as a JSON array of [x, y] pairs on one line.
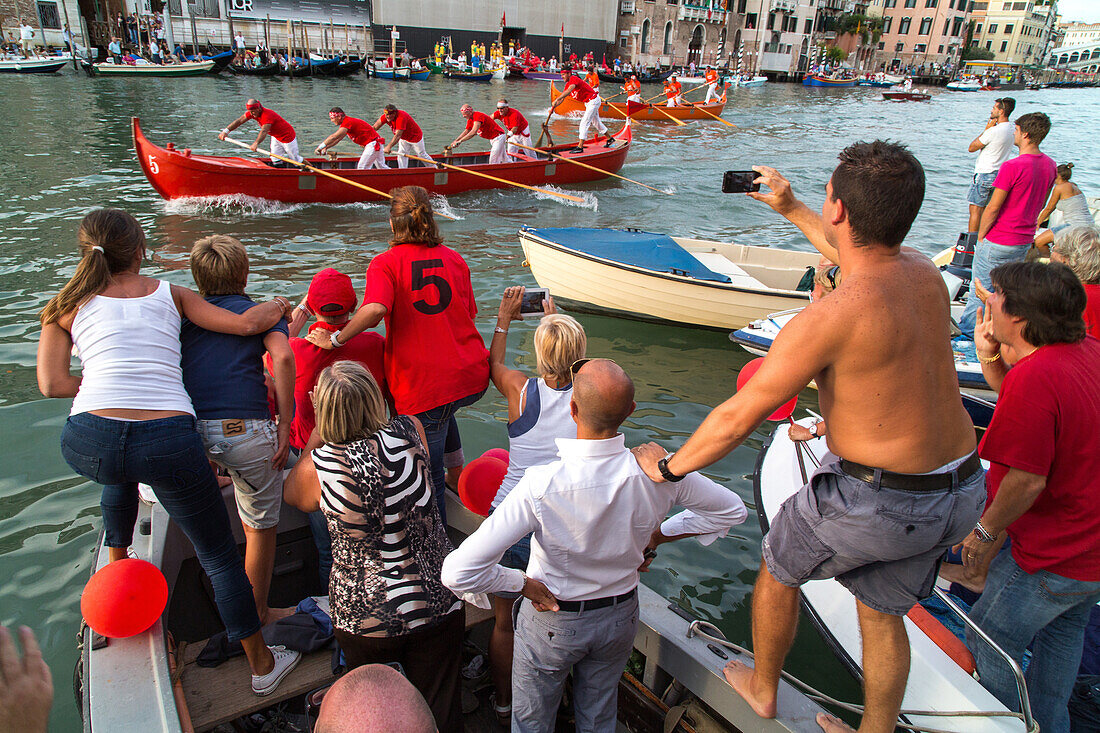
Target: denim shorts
[[883, 545], [244, 447], [981, 189]]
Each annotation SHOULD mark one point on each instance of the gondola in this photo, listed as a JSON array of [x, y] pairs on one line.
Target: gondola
[[642, 78], [466, 76], [177, 173], [348, 67], [271, 69]]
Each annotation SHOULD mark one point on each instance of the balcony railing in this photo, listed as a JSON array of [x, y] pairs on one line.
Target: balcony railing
[[626, 7], [783, 6], [702, 14]]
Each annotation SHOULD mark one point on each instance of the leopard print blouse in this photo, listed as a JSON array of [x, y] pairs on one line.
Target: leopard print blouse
[[388, 542]]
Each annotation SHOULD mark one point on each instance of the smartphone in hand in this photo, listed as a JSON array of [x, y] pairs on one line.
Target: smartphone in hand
[[739, 182], [532, 304]]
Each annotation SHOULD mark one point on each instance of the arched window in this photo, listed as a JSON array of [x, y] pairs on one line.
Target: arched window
[[668, 39], [645, 36]]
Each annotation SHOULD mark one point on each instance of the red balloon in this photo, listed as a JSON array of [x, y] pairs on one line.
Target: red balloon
[[479, 483], [124, 598], [497, 453], [783, 411]]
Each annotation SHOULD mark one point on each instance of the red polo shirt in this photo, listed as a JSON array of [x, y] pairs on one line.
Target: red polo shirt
[[1046, 423], [488, 129], [582, 92], [359, 131], [512, 120], [404, 121], [280, 128]]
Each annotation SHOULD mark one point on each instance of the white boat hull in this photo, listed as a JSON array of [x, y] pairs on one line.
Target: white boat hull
[[590, 283], [936, 681]]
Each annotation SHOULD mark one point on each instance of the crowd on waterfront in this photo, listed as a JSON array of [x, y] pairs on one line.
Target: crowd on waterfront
[[366, 425]]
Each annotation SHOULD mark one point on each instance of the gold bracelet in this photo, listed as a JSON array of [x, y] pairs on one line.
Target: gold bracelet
[[990, 360]]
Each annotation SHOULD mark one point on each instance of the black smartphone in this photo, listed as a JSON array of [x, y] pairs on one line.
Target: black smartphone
[[531, 305], [739, 182]]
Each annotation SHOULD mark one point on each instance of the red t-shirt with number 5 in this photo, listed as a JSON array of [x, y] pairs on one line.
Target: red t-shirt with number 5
[[434, 353]]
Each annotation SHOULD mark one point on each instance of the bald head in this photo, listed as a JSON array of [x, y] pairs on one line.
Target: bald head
[[603, 396], [374, 698]]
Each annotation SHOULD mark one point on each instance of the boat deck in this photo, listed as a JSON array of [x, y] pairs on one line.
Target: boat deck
[[217, 695]]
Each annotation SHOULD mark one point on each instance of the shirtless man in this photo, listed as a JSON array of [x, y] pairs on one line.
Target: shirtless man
[[879, 349]]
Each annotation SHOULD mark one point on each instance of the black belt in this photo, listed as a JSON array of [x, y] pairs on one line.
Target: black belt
[[913, 482], [593, 604]]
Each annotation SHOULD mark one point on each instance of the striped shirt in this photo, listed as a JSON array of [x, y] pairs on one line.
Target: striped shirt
[[388, 542]]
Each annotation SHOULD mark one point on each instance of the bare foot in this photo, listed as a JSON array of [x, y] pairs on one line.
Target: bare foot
[[833, 724], [967, 579], [741, 676]]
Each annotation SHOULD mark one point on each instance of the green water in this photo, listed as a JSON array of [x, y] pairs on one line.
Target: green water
[[66, 149]]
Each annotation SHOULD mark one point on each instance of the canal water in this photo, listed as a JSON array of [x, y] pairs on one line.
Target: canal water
[[66, 149]]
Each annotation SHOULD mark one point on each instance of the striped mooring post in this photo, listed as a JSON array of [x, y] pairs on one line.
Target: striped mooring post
[[740, 58]]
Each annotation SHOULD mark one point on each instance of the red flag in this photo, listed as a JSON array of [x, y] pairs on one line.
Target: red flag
[[503, 19], [633, 108], [563, 30]]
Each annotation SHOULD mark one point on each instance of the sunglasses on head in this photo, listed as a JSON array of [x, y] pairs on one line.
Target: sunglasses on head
[[831, 274], [576, 366]]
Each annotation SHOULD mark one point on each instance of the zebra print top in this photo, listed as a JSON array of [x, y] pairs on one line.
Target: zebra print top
[[388, 542]]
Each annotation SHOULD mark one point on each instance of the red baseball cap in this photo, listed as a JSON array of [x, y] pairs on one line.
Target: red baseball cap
[[331, 294]]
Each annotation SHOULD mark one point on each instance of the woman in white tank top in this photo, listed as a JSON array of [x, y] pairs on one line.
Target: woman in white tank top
[[1067, 198], [132, 421], [538, 414]]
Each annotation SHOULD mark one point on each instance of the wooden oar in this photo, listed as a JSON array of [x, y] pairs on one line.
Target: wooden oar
[[348, 181], [651, 106], [590, 167], [498, 180], [699, 108]]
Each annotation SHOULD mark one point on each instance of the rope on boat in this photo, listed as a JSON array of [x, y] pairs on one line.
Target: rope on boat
[[821, 697]]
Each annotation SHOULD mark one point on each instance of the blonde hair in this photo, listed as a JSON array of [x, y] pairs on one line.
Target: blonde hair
[[219, 265], [411, 217], [108, 239], [348, 403], [559, 341]]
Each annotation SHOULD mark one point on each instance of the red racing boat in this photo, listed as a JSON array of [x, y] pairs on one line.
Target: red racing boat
[[177, 173]]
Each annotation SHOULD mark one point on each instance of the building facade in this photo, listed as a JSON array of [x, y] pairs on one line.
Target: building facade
[[668, 33], [1016, 32], [1079, 34], [47, 17], [920, 33]]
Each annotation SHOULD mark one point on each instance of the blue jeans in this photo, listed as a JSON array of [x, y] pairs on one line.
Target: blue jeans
[[594, 644], [438, 422], [1049, 612], [987, 256], [318, 527], [168, 455]]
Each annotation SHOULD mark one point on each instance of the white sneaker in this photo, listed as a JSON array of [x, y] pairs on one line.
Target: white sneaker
[[285, 661]]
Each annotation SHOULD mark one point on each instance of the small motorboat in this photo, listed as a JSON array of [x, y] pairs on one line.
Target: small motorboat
[[271, 69], [468, 75], [382, 71], [663, 279], [965, 85], [417, 74], [820, 80], [904, 96], [941, 672], [33, 65], [643, 111], [755, 81], [189, 68]]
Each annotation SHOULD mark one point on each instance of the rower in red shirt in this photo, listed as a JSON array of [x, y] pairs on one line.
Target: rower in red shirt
[[361, 133], [579, 90], [712, 84], [283, 140], [672, 92], [515, 125], [633, 89], [479, 123], [406, 135]]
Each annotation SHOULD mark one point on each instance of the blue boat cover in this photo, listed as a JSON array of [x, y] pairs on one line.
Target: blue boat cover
[[657, 252]]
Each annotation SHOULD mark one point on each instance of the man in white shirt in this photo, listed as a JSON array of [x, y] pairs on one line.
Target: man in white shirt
[[26, 38], [993, 146], [597, 520]]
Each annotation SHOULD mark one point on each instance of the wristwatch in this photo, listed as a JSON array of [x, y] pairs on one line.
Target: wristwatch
[[813, 429], [662, 466], [335, 341]]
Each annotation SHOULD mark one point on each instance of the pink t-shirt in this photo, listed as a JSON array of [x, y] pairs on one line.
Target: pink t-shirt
[[1027, 179]]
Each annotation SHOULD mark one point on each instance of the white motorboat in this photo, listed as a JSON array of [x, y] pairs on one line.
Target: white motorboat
[[658, 278], [33, 65]]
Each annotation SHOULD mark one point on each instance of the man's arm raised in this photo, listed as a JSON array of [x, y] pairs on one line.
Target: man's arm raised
[[803, 348], [783, 200]]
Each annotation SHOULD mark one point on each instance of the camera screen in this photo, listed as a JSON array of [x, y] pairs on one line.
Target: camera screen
[[532, 301]]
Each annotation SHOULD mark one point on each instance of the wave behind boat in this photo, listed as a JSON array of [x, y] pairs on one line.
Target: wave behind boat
[[441, 205], [242, 205]]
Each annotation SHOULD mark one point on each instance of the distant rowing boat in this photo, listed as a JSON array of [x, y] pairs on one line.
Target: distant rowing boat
[[640, 111], [818, 80], [189, 68]]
